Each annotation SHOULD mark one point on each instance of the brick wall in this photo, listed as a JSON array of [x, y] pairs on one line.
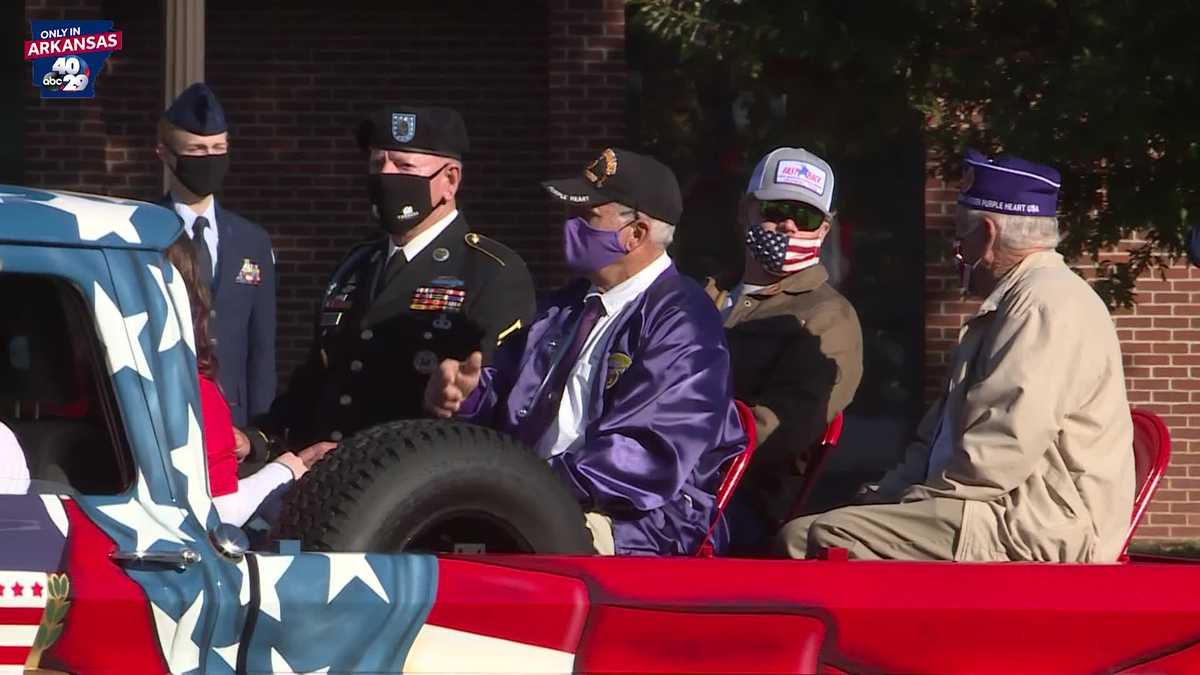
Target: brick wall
[[105, 144], [1160, 343], [539, 85]]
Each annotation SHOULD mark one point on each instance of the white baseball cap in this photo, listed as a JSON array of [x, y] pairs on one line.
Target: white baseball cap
[[793, 174]]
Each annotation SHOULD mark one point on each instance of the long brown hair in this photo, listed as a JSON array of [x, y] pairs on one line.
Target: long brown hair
[[182, 254]]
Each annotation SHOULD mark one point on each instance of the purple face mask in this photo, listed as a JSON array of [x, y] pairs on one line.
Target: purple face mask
[[589, 250]]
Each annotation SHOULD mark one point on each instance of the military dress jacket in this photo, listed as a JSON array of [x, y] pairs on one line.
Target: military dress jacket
[[242, 323], [378, 339]]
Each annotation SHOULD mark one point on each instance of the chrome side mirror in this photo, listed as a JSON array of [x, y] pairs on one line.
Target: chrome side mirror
[[230, 541]]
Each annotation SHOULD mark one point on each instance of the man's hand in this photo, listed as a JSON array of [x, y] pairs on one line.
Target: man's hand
[[869, 494], [451, 384], [242, 444]]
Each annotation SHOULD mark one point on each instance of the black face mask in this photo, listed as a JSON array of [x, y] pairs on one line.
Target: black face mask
[[202, 174], [401, 200]]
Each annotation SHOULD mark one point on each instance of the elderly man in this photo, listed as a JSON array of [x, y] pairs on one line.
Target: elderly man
[[1028, 455], [430, 288], [622, 382], [235, 254], [795, 343]]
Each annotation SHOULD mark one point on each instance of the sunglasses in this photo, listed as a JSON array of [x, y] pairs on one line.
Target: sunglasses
[[806, 218]]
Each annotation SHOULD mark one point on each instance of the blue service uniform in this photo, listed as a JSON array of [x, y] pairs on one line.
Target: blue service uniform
[[242, 324]]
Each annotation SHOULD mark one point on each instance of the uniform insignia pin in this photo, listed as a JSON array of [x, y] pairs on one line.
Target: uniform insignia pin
[[618, 363], [250, 273], [441, 254], [425, 362]]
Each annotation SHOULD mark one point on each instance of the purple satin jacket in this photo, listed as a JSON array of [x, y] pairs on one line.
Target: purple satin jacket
[[662, 427]]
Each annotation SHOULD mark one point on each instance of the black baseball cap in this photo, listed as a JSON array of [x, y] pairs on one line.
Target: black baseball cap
[[423, 129], [637, 181]]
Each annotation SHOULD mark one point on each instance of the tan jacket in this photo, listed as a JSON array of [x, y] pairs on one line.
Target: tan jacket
[[796, 355], [1042, 438]]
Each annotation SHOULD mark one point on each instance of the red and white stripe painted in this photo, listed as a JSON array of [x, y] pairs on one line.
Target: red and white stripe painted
[[23, 598]]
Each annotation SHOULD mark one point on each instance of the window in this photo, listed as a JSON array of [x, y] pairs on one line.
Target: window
[[55, 392]]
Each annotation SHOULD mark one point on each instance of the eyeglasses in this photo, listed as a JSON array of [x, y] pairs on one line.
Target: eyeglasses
[[805, 217]]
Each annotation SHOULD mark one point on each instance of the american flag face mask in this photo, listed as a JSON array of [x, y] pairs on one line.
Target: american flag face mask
[[781, 254]]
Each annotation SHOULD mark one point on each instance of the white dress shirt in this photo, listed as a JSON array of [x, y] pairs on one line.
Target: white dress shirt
[[567, 433], [210, 233], [419, 242]]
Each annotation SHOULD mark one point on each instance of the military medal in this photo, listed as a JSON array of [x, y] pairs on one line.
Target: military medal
[[433, 298], [338, 302]]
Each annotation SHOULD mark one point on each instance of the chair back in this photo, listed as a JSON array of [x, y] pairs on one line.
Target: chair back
[[1151, 454]]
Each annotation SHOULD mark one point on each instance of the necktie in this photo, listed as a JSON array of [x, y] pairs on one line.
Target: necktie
[[394, 264], [203, 257], [544, 410]]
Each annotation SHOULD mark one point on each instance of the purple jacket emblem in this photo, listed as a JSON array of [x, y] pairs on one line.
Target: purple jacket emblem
[[659, 436]]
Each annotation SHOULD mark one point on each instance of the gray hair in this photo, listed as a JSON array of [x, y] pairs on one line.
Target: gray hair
[[1017, 233], [661, 233]]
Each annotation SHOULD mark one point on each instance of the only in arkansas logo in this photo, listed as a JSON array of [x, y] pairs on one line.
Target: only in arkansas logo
[[68, 55]]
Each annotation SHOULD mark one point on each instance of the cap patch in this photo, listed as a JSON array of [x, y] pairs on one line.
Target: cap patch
[[801, 174], [604, 166], [404, 127]]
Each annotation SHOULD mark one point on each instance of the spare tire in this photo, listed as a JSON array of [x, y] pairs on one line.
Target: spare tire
[[436, 486]]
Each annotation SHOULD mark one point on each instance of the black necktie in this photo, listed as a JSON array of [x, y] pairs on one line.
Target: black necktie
[[203, 257], [394, 264]]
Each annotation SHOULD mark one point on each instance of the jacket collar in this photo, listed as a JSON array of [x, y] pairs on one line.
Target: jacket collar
[[1014, 277], [800, 282]]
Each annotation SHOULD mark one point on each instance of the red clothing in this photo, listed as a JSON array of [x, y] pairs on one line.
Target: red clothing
[[219, 443]]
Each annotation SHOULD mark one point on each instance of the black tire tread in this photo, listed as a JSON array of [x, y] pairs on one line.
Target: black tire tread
[[316, 509]]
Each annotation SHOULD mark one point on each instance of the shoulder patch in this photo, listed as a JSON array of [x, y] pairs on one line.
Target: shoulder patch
[[489, 247]]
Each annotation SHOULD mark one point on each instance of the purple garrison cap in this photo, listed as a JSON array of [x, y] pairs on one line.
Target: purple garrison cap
[[1009, 184]]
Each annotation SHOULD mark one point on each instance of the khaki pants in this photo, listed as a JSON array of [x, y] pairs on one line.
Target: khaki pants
[[602, 534], [922, 530]]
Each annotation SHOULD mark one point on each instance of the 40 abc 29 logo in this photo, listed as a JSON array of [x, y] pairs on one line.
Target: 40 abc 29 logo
[[69, 74], [67, 57]]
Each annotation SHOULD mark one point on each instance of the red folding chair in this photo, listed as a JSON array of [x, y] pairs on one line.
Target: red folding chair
[[733, 476], [816, 462], [1151, 454]]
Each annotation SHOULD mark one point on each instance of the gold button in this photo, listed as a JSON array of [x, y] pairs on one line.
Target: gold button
[[345, 399], [355, 366], [335, 436], [368, 334]]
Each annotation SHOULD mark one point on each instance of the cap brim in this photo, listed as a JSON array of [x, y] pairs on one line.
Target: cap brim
[[576, 191], [775, 193]]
